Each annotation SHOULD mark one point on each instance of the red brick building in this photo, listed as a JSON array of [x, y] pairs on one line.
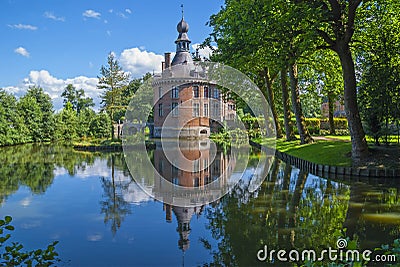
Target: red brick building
[[186, 104]]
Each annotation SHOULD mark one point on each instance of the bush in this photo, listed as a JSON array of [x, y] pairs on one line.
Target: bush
[[340, 124], [15, 256]]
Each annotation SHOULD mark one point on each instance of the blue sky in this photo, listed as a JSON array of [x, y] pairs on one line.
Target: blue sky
[[52, 42]]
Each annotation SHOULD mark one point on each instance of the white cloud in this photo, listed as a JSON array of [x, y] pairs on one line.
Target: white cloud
[[139, 62], [22, 51], [134, 60], [54, 86], [23, 27], [203, 52], [108, 33], [50, 15], [127, 10], [91, 14]]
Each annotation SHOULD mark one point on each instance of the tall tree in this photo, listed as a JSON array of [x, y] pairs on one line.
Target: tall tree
[[334, 21], [286, 107], [12, 129], [379, 90], [76, 98], [37, 110], [113, 79]]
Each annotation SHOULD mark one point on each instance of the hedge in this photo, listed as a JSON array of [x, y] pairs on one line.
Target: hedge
[[315, 125]]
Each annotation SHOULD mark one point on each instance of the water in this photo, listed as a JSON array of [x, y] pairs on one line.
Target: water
[[91, 205]]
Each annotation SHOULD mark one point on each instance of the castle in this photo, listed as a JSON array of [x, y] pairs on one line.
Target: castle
[[186, 103]]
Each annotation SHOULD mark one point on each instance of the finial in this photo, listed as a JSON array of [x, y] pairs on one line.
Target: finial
[[182, 10]]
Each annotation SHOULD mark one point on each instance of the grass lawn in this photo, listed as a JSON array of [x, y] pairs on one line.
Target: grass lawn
[[326, 152]]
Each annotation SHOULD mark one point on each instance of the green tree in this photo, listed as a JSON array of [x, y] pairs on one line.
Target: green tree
[[12, 129], [67, 123], [379, 90], [335, 22], [85, 118], [100, 125], [36, 108], [76, 98], [113, 80]]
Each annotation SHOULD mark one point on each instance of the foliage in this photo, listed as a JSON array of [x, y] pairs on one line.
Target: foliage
[[112, 81], [67, 123], [14, 255], [36, 108], [76, 98], [380, 63], [12, 129], [100, 125]]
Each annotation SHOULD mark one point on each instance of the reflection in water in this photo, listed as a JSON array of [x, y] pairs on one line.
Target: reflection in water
[[291, 209]]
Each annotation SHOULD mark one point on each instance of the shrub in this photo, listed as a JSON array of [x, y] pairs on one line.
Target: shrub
[[15, 256]]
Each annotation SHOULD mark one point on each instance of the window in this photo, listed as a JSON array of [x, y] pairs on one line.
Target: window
[[216, 93], [174, 169], [160, 94], [196, 165], [196, 182], [160, 167], [160, 110], [175, 92], [205, 110], [196, 110], [215, 109], [205, 164], [175, 109], [195, 91], [175, 181], [205, 92]]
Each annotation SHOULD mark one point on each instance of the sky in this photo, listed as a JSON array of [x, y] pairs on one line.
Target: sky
[[51, 43]]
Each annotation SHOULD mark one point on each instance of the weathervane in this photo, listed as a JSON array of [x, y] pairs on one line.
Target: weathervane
[[182, 10]]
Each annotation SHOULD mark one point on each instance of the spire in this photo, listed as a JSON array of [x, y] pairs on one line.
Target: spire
[[182, 55], [182, 11]]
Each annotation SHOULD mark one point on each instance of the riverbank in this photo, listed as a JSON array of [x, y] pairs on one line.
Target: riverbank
[[332, 156]]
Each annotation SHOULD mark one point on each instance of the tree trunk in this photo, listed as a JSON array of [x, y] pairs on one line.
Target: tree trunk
[[359, 147], [271, 101], [330, 114], [305, 136], [112, 124], [287, 116]]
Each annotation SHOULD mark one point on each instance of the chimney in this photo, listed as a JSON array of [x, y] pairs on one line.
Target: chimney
[[167, 58], [162, 66]]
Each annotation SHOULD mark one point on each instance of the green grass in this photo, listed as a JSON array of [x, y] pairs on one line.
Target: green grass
[[333, 153], [339, 137], [97, 142]]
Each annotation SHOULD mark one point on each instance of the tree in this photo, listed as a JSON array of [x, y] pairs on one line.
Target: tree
[[100, 125], [76, 98], [255, 36], [36, 108], [12, 129], [286, 107], [113, 79], [85, 118], [379, 87], [334, 21], [67, 123]]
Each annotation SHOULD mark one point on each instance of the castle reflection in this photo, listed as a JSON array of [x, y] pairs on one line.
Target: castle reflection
[[196, 164]]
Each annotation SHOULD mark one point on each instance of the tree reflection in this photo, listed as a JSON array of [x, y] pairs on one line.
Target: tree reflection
[[33, 166], [113, 206], [290, 210]]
